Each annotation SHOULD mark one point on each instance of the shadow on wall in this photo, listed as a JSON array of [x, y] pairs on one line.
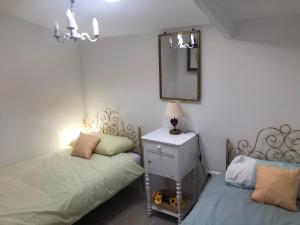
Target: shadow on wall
[[282, 31], [186, 122]]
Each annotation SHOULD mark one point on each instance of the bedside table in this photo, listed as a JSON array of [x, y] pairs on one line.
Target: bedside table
[[173, 157]]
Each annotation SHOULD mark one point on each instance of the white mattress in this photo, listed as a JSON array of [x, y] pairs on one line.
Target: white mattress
[[136, 157]]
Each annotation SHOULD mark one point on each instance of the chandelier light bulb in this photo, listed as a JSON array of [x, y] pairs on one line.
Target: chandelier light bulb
[[170, 41], [180, 39], [192, 39], [56, 26], [96, 27], [70, 18], [56, 29]]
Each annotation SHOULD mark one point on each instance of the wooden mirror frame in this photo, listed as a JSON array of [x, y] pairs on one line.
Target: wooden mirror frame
[[199, 64]]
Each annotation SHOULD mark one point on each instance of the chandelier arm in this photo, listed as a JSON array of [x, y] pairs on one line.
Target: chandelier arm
[[67, 36], [60, 39], [86, 35], [190, 46]]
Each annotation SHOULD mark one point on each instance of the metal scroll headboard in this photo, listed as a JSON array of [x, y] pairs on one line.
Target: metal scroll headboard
[[110, 122], [273, 144]]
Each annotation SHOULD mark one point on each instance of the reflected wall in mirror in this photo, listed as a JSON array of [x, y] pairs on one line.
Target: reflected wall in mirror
[[179, 65]]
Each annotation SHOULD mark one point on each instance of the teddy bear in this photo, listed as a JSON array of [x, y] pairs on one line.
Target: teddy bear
[[160, 197]]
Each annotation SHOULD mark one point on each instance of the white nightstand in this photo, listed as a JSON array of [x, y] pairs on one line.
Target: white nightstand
[[171, 156]]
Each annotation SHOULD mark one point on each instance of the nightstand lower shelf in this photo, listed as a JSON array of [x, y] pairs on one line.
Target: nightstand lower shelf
[[189, 204]]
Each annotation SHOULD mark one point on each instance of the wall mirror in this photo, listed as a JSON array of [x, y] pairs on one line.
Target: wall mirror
[[179, 65]]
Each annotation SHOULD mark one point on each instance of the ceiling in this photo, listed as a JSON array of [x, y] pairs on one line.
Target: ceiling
[[243, 10], [126, 17], [117, 18]]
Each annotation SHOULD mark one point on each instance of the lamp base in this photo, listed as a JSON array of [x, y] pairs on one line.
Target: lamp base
[[175, 131]]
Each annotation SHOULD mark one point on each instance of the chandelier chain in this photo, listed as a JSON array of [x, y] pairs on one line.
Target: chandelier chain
[[72, 2]]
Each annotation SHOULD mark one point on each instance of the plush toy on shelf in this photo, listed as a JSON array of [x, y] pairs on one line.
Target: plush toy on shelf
[[159, 197], [173, 202], [163, 197]]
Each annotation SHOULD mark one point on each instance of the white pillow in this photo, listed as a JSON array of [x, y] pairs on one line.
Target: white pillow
[[240, 172]]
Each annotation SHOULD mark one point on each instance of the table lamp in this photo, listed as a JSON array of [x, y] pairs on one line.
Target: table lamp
[[174, 111]]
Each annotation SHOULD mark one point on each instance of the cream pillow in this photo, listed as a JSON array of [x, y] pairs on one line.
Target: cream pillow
[[276, 186], [85, 146]]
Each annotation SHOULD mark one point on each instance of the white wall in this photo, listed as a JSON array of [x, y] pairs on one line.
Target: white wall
[[40, 90], [245, 86], [122, 72]]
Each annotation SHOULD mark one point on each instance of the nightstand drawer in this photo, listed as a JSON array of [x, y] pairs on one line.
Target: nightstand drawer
[[163, 149], [160, 163]]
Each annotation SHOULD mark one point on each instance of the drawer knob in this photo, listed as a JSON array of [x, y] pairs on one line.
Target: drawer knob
[[149, 161], [158, 147]]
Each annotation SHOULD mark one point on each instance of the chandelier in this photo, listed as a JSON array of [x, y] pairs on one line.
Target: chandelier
[[72, 28], [183, 41]]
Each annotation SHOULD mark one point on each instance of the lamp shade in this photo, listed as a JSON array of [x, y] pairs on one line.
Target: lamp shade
[[174, 110]]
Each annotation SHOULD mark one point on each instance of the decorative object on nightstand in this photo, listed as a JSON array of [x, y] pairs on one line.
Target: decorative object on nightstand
[[167, 200], [174, 111], [173, 157]]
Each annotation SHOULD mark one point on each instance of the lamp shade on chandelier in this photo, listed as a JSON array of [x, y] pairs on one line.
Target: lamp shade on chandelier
[[72, 32]]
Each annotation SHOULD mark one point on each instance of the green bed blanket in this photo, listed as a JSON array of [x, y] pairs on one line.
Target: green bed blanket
[[58, 189]]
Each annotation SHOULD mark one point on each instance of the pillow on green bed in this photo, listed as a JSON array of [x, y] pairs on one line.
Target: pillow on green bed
[[73, 142], [111, 145]]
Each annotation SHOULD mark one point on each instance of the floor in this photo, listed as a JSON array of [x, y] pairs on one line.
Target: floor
[[126, 208]]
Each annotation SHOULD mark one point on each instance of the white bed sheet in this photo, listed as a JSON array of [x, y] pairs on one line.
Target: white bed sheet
[[136, 157]]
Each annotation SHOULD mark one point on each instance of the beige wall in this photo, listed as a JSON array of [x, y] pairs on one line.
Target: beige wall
[[40, 90], [246, 85]]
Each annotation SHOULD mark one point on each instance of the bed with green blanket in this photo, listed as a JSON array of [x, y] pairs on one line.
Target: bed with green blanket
[[58, 189]]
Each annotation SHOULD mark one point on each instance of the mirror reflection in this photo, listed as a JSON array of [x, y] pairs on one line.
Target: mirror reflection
[[179, 63]]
